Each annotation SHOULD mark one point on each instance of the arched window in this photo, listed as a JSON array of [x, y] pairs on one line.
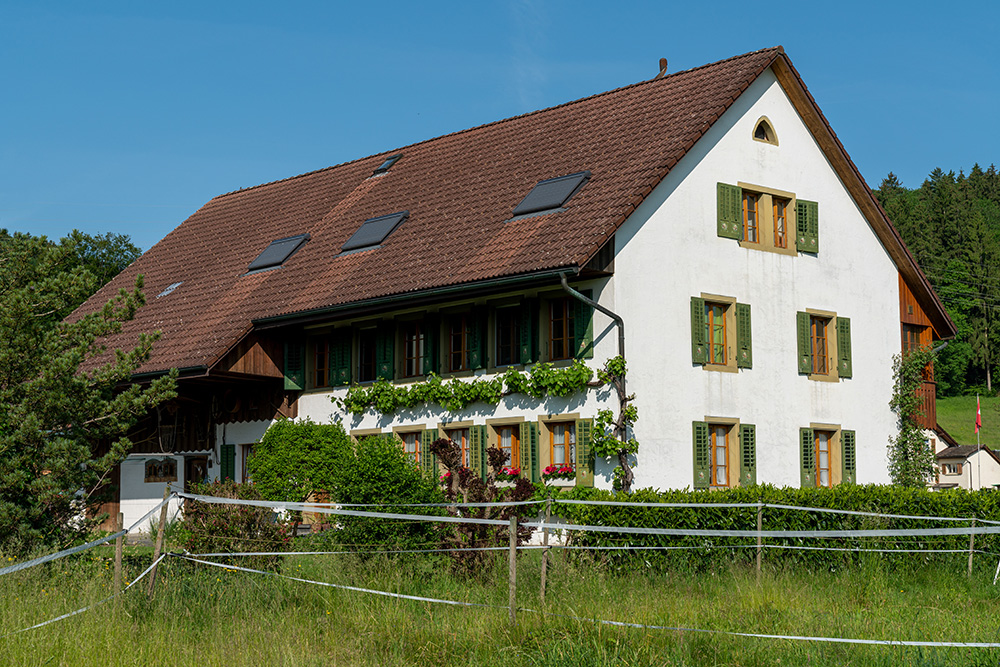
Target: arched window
[[764, 132]]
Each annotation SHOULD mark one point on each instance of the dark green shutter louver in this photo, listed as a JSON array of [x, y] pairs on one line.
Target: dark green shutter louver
[[477, 338], [702, 455], [844, 366], [227, 464], [295, 371], [477, 450], [428, 462], [432, 344], [807, 459], [730, 209], [802, 322], [848, 457], [806, 226], [385, 347], [529, 331], [744, 351], [748, 454], [699, 332], [340, 358], [583, 326], [584, 452], [529, 452]]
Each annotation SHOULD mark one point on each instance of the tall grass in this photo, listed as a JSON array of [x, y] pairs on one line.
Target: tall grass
[[209, 616]]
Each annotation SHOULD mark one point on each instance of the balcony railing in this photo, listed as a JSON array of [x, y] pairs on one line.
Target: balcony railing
[[927, 393]]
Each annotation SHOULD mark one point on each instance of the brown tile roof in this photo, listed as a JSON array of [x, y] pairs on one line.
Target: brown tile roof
[[460, 190]]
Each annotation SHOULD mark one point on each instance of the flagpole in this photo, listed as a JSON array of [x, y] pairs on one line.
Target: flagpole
[[979, 447]]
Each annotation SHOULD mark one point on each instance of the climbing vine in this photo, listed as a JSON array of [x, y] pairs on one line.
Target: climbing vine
[[911, 458], [541, 381], [612, 433]]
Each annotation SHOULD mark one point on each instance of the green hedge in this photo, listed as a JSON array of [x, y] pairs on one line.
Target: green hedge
[[716, 552]]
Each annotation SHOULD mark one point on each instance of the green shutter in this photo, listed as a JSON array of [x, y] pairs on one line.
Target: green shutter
[[583, 326], [227, 464], [426, 438], [844, 367], [807, 226], [477, 450], [702, 456], [699, 332], [295, 371], [529, 331], [530, 468], [477, 338], [340, 358], [848, 457], [730, 206], [432, 344], [744, 351], [385, 347], [802, 321], [584, 452], [748, 454], [807, 441]]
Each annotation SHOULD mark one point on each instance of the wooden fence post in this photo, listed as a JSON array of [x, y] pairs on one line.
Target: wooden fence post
[[972, 544], [545, 543], [760, 525], [159, 538], [118, 555], [512, 562]]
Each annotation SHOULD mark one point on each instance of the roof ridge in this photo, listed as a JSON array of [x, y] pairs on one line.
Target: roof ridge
[[778, 48]]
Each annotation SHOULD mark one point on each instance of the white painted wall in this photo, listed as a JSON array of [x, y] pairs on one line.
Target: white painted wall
[[139, 497]]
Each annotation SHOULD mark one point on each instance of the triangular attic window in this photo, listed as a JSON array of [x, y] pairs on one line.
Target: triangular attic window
[[374, 230], [277, 253], [552, 194]]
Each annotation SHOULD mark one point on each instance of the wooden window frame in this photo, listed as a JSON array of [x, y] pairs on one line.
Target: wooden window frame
[[780, 234], [245, 451], [449, 429], [819, 343], [507, 320], [832, 373], [567, 317], [769, 127], [829, 457], [402, 433], [717, 320], [321, 363], [751, 225], [570, 453], [728, 303], [766, 224], [367, 345], [733, 447], [713, 443], [835, 455], [464, 322], [414, 340]]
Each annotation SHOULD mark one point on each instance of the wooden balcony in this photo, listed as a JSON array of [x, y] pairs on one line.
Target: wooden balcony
[[927, 393]]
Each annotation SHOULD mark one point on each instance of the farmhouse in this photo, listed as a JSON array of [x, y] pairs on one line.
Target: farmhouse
[[707, 223]]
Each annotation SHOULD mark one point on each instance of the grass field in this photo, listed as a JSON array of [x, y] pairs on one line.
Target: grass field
[[207, 616], [958, 416]]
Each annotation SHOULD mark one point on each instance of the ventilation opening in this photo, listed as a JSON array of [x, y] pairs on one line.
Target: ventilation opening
[[604, 260], [552, 194], [764, 132], [277, 253], [374, 231]]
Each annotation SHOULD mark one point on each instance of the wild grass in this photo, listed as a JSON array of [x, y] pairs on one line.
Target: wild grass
[[957, 414], [209, 616]]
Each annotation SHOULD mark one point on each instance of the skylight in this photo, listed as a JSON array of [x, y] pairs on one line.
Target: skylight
[[277, 253], [552, 194], [374, 230], [389, 161]]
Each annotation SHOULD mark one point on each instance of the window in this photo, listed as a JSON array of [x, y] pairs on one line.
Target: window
[[561, 327], [721, 337], [750, 217], [160, 470], [508, 336], [374, 231], [914, 337], [562, 443], [387, 164], [763, 218], [951, 468], [321, 364], [828, 456], [411, 445], [413, 349], [366, 355], [277, 253], [824, 345], [509, 443], [552, 194], [246, 451], [460, 436], [459, 333], [725, 453], [764, 132]]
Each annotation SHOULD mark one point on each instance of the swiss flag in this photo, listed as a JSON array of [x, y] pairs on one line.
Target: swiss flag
[[979, 416]]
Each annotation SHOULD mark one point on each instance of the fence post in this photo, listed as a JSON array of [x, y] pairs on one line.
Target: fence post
[[545, 543], [512, 562], [159, 538], [118, 555], [760, 525], [972, 544]]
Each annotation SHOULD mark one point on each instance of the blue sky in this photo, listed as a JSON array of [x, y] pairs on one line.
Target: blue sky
[[128, 116]]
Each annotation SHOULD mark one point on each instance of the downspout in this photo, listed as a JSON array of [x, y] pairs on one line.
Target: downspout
[[619, 322]]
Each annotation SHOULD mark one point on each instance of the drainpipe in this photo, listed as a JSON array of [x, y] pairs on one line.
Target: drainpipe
[[619, 322]]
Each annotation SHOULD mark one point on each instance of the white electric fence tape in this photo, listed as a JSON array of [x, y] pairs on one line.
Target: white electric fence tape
[[326, 508], [77, 549], [96, 604], [641, 626]]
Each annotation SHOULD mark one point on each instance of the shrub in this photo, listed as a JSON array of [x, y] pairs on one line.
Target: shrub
[[210, 528], [378, 471], [294, 459]]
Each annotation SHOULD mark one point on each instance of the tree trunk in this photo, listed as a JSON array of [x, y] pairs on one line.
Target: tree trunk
[[627, 476]]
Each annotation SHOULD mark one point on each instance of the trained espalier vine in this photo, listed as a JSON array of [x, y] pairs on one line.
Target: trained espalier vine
[[612, 434]]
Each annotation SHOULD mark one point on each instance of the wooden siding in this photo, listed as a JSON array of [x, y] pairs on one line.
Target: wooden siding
[[927, 393], [910, 311], [254, 355]]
